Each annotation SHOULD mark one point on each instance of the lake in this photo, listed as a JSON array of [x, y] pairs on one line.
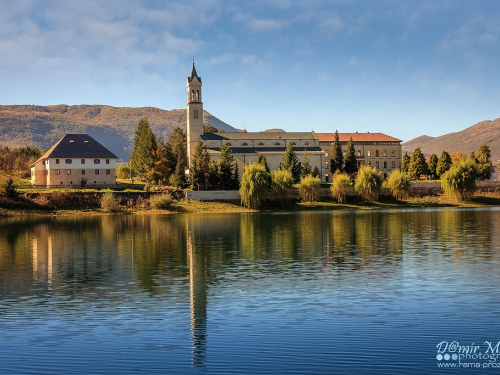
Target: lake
[[323, 292]]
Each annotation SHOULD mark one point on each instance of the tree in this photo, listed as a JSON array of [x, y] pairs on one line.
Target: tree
[[432, 164], [254, 183], [485, 167], [235, 185], [351, 165], [176, 157], [309, 188], [341, 186], [457, 156], [282, 182], [473, 156], [337, 160], [460, 180], [207, 128], [225, 167], [10, 188], [399, 183], [123, 172], [418, 166], [144, 144], [306, 166], [158, 170], [405, 163], [199, 172], [214, 174], [262, 161], [315, 172], [290, 162], [444, 163], [368, 183]]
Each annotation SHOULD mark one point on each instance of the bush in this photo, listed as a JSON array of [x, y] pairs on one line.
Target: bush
[[340, 186], [460, 180], [254, 183], [399, 183], [309, 188], [10, 188], [160, 202], [368, 183], [123, 172], [109, 203], [282, 182]]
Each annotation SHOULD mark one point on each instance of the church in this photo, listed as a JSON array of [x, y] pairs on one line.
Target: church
[[247, 146]]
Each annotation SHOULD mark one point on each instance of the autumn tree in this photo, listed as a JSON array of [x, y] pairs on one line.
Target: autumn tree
[[457, 156], [337, 157]]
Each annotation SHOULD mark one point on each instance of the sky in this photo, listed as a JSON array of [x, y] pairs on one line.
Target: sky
[[404, 68]]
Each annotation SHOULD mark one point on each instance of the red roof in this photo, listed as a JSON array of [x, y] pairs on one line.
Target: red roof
[[357, 137]]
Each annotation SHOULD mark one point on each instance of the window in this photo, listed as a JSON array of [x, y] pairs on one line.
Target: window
[[326, 178], [359, 152], [97, 171], [385, 164], [57, 161], [385, 153], [97, 161], [195, 113], [393, 153], [244, 144], [293, 144], [197, 95], [107, 161], [43, 162], [68, 161], [369, 152], [68, 171], [326, 164], [376, 153], [277, 144], [326, 154], [108, 171], [58, 171], [369, 163], [393, 164], [83, 171], [376, 164], [260, 144], [83, 161], [307, 144], [61, 182]]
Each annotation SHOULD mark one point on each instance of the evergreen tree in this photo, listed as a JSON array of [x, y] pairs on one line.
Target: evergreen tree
[[144, 144], [290, 162], [432, 165], [10, 188], [316, 172], [158, 170], [485, 167], [213, 175], [199, 172], [235, 185], [262, 161], [337, 159], [225, 172], [176, 157], [418, 166], [473, 156], [444, 163], [405, 163], [351, 165], [207, 128], [306, 166]]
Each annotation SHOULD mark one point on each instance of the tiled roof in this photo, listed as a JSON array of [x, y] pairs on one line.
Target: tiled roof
[[260, 150], [357, 137], [257, 135], [78, 146]]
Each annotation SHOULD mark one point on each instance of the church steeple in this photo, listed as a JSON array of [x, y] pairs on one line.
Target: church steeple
[[194, 112], [194, 74]]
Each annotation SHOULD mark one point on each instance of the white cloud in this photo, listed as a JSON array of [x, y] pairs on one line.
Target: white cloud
[[259, 25]]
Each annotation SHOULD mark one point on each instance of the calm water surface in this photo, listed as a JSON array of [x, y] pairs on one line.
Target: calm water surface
[[306, 293]]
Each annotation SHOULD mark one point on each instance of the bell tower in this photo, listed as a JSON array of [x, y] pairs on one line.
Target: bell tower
[[194, 113]]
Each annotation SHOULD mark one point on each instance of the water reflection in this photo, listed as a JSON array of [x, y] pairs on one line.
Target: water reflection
[[198, 262]]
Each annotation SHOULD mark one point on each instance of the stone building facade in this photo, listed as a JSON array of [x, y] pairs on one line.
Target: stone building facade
[[75, 157]]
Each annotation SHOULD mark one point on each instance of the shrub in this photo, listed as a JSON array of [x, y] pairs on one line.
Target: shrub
[[123, 172], [340, 186], [282, 182], [368, 183], [309, 188], [109, 203], [460, 180], [399, 183], [254, 183], [161, 201], [10, 188]]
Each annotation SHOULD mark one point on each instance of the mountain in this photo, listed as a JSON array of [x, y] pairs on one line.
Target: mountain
[[114, 127], [466, 140]]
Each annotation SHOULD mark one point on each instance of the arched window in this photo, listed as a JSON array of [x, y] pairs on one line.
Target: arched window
[[192, 94], [277, 144], [244, 144], [229, 144], [197, 95], [293, 144], [260, 144], [307, 144]]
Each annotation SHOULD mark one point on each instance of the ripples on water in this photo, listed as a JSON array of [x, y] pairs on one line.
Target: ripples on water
[[311, 292]]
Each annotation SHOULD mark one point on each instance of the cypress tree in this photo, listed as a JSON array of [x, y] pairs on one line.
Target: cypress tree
[[10, 188], [198, 172], [262, 161], [337, 159], [405, 163], [235, 185], [485, 167], [418, 166], [351, 165], [225, 172], [432, 165], [144, 144], [306, 166], [290, 162], [444, 163]]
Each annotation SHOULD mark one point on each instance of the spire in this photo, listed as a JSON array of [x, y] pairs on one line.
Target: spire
[[194, 74]]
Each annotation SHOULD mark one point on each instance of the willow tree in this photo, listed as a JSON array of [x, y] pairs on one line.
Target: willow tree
[[368, 183], [399, 183], [460, 180], [341, 186], [254, 184]]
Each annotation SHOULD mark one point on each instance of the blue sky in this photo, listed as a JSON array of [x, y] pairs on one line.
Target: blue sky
[[404, 68]]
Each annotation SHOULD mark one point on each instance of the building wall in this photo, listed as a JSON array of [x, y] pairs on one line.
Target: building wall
[[366, 154], [257, 143]]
